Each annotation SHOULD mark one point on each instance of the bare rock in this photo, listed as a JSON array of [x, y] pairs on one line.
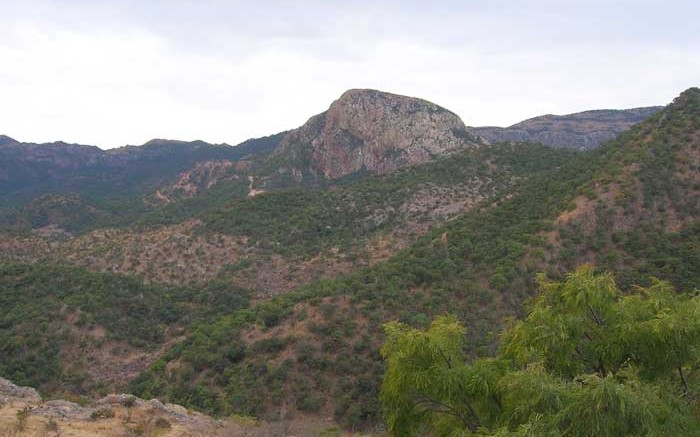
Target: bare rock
[[374, 131], [9, 391], [62, 410]]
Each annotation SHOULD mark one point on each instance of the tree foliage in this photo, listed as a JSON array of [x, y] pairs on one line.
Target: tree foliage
[[586, 361]]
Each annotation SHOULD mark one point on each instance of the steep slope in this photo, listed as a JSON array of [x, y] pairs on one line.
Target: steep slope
[[371, 131], [631, 206], [582, 131]]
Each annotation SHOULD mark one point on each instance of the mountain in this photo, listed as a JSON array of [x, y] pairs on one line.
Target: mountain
[[100, 324], [630, 206], [31, 170], [582, 131], [364, 131], [372, 131], [4, 139], [259, 285], [73, 188], [276, 241]]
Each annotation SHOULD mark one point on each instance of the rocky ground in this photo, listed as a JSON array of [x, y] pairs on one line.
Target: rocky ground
[[24, 413]]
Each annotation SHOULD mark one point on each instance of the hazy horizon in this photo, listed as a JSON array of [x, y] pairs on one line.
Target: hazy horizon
[[115, 73]]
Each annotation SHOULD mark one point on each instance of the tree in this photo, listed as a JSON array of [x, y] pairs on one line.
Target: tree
[[586, 361]]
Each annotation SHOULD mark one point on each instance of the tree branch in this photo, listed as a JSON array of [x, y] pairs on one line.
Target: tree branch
[[447, 409], [596, 318], [684, 383], [446, 358]]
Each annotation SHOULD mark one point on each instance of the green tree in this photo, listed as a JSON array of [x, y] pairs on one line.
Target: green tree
[[586, 361]]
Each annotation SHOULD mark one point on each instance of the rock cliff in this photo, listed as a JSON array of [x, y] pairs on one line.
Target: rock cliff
[[373, 131]]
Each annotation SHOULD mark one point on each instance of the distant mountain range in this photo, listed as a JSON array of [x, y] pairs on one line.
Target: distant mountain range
[[29, 170], [583, 130]]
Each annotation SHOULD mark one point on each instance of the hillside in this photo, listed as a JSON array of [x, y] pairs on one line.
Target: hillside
[[259, 284], [278, 240], [631, 207], [86, 334], [246, 222], [582, 131]]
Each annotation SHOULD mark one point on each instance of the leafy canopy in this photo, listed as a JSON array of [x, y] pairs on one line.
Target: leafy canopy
[[586, 361]]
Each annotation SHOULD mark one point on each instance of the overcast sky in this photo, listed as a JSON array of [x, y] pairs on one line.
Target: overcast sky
[[111, 73]]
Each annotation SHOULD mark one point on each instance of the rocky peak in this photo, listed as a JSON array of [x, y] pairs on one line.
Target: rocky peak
[[369, 130]]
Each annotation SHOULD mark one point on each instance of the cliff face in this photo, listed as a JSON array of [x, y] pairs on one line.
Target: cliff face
[[583, 130], [367, 130]]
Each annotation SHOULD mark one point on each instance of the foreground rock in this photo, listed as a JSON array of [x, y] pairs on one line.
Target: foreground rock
[[10, 392], [23, 413]]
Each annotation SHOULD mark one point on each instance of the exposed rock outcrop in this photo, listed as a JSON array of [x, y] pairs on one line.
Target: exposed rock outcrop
[[22, 413], [196, 180], [374, 131], [583, 130], [9, 391]]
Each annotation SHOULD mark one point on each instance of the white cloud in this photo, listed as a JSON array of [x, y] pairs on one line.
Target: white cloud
[[114, 73]]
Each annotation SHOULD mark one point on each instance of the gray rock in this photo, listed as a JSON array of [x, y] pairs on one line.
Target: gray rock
[[63, 410], [9, 391], [374, 131]]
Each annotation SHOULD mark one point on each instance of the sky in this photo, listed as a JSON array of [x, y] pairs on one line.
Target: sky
[[111, 73]]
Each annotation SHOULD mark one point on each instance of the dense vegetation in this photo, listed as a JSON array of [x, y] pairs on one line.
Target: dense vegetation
[[630, 207], [587, 360], [47, 309], [482, 263], [83, 187], [337, 347], [304, 221]]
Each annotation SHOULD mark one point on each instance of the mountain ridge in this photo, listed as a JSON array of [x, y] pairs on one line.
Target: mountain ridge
[[581, 130], [363, 131]]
